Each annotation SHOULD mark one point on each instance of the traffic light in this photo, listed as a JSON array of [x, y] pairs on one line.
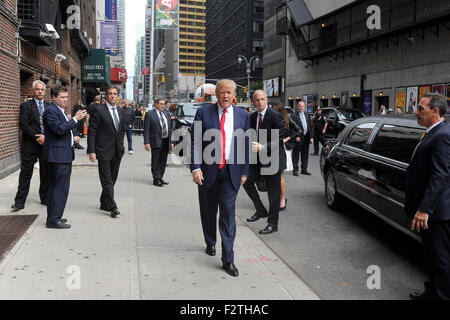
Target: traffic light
[[245, 89], [163, 79]]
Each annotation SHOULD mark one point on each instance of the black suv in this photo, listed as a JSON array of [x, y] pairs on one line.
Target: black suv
[[338, 119], [184, 117], [367, 164]]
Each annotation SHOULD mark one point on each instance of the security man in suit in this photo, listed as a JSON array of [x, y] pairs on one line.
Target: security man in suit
[[33, 138], [302, 119], [219, 180], [264, 121], [158, 139], [58, 152], [105, 144], [428, 194]]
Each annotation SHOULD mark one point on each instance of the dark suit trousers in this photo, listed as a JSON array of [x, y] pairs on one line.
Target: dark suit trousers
[[159, 160], [26, 172], [220, 196], [436, 242], [108, 171], [273, 183], [58, 192], [318, 137], [302, 149]]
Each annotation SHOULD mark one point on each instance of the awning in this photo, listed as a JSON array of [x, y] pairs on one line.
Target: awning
[[299, 12], [96, 68]]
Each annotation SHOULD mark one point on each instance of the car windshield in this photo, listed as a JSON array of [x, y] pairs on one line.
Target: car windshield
[[188, 110], [350, 114]]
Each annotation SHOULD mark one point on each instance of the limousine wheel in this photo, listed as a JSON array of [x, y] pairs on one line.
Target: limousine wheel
[[333, 198]]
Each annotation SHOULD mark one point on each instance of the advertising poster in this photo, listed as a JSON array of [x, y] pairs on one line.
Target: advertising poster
[[315, 102], [344, 99], [400, 99], [108, 35], [439, 88], [305, 98], [276, 87], [423, 90], [309, 103], [166, 14], [268, 88], [448, 97], [411, 99], [367, 103], [111, 14]]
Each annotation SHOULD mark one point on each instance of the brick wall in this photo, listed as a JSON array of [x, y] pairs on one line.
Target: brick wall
[[9, 91]]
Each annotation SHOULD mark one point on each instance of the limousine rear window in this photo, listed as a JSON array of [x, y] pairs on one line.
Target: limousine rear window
[[396, 142], [360, 135]]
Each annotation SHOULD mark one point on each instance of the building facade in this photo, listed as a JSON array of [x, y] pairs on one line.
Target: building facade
[[340, 55], [234, 28]]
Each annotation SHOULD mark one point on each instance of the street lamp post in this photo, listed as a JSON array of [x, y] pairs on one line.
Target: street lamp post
[[242, 59]]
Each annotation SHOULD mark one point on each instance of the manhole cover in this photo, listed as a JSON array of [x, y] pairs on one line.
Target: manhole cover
[[12, 229]]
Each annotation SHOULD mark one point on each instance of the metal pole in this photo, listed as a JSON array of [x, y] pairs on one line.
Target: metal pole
[[152, 36], [248, 80]]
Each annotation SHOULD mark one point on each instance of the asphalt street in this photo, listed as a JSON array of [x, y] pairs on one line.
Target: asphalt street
[[332, 251]]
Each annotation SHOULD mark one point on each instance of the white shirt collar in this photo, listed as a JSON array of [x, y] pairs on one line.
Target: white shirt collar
[[110, 106], [433, 126], [229, 109], [263, 113]]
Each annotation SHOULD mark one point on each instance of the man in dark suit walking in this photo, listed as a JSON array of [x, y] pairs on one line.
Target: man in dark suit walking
[[302, 119], [428, 194], [59, 154], [33, 138], [105, 143], [220, 177], [264, 121], [158, 139]]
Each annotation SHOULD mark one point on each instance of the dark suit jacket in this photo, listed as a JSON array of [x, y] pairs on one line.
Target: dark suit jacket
[[58, 138], [153, 129], [296, 118], [103, 139], [272, 120], [208, 118], [30, 125], [428, 176], [91, 108]]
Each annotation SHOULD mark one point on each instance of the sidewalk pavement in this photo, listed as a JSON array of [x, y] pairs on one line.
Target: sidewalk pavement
[[153, 250]]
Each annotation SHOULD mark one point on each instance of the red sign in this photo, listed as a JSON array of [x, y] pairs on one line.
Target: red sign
[[119, 75], [146, 71]]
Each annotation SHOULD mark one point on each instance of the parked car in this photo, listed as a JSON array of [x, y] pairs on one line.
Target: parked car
[[338, 119], [367, 164], [184, 117]]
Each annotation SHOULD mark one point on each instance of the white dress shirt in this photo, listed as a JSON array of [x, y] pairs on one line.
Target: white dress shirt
[[263, 113], [67, 119], [111, 111], [433, 126], [229, 129]]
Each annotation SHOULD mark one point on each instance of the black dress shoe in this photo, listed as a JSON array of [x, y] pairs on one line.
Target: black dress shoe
[[114, 213], [63, 220], [256, 217], [295, 173], [426, 295], [230, 268], [306, 173], [157, 183], [17, 207], [269, 229], [163, 182], [58, 225], [211, 251]]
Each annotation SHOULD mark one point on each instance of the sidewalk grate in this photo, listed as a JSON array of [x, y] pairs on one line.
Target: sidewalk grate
[[12, 228]]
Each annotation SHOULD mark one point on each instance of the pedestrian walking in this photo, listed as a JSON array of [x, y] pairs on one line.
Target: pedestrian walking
[[428, 194], [219, 183], [105, 144], [292, 132], [158, 140], [129, 118], [320, 125], [302, 119], [33, 138], [58, 152], [264, 121]]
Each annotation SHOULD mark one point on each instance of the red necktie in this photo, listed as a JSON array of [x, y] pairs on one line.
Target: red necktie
[[224, 138]]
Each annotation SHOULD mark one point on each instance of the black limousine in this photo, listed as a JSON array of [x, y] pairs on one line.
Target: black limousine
[[367, 164]]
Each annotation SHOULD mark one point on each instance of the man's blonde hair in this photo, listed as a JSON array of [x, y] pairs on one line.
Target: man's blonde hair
[[226, 83]]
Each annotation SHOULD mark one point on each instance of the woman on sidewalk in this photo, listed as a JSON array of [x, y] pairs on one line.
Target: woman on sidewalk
[[292, 132]]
